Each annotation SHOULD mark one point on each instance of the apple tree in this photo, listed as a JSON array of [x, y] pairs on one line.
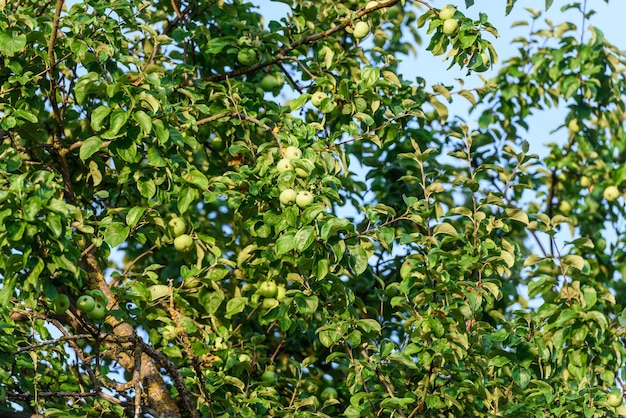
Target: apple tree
[[208, 212]]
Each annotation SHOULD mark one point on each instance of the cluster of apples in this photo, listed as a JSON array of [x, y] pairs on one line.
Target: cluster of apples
[[92, 303], [302, 198], [182, 241], [451, 27], [271, 293]]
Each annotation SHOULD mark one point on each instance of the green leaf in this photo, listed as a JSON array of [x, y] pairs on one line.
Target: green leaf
[[98, 116], [10, 43], [116, 233], [285, 243], [235, 305], [306, 305], [304, 238], [445, 228], [90, 146], [134, 214], [144, 121], [358, 259]]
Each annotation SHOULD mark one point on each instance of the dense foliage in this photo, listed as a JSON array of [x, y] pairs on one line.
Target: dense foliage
[[205, 213]]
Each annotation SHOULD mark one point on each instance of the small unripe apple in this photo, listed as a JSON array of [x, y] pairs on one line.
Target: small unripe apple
[[98, 312], [371, 4], [565, 207], [281, 291], [268, 289], [269, 303], [61, 303], [246, 56], [284, 165], [486, 59], [573, 126], [611, 193], [447, 12], [328, 393], [361, 29], [316, 99], [86, 303], [615, 398], [287, 196], [304, 199], [302, 172], [177, 226], [269, 82], [269, 376], [450, 27], [293, 153], [585, 181], [183, 243]]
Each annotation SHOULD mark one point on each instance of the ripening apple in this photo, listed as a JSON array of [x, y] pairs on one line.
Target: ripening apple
[[450, 27], [293, 153], [268, 289], [611, 193], [304, 199], [177, 226], [361, 29], [447, 12], [585, 181], [615, 398], [287, 196], [284, 165], [316, 99], [183, 243], [565, 207], [61, 303]]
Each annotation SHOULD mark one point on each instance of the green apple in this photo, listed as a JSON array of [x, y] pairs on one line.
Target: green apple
[[565, 207], [302, 172], [573, 125], [246, 56], [450, 27], [284, 165], [183, 243], [361, 30], [281, 291], [86, 303], [316, 99], [304, 199], [268, 289], [328, 393], [585, 181], [269, 82], [61, 303], [97, 313], [293, 153], [177, 226], [615, 398], [486, 59], [611, 193], [287, 196], [447, 12], [269, 376], [371, 4], [269, 303]]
